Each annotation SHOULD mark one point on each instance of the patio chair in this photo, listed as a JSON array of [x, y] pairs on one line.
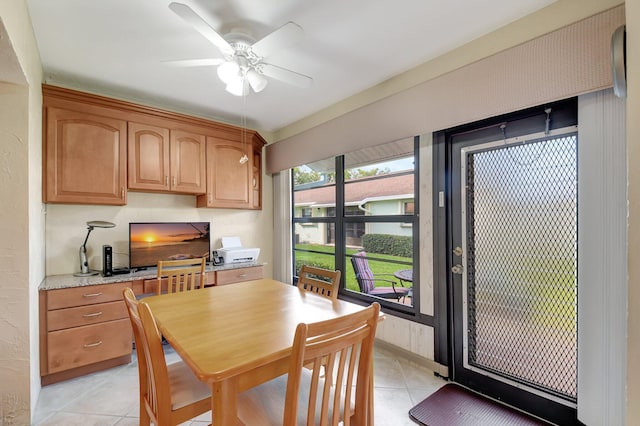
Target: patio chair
[[367, 280]]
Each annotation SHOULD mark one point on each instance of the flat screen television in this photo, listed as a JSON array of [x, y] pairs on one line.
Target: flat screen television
[[150, 242]]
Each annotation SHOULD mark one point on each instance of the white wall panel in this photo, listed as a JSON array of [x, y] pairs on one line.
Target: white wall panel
[[602, 259]]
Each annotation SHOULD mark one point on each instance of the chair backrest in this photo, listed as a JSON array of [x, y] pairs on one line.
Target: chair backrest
[[181, 275], [364, 275], [321, 281], [155, 393], [344, 346]]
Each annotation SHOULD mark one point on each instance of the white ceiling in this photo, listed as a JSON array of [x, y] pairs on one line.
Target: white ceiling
[[116, 47]]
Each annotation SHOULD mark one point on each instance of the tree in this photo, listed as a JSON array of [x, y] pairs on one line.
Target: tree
[[362, 173], [301, 177]]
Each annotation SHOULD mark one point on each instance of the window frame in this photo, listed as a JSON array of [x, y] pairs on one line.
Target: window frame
[[340, 221]]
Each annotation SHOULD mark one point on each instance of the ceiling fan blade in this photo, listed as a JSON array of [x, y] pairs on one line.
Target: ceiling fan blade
[[206, 62], [285, 75], [192, 18], [282, 37]]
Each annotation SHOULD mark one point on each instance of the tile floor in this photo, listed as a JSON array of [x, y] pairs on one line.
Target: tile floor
[[110, 397]]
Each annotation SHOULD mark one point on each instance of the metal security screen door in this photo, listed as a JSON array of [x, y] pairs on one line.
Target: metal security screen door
[[516, 267]]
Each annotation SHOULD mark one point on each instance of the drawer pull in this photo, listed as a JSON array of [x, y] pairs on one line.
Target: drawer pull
[[93, 345], [92, 295], [95, 314], [242, 275]]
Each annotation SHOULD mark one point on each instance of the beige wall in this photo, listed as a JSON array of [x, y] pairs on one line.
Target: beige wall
[[633, 157], [66, 227], [21, 220]]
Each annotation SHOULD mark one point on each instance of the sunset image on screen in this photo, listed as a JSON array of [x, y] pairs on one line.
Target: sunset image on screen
[[151, 242]]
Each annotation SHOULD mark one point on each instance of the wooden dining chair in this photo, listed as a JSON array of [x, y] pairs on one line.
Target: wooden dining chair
[[324, 282], [181, 275], [170, 394], [345, 346]]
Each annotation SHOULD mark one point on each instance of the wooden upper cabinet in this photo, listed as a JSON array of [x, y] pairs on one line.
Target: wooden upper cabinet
[[188, 162], [166, 160], [84, 157], [229, 182], [95, 148], [148, 157]]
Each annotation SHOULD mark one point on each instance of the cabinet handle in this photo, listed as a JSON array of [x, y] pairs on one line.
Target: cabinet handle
[[242, 275], [92, 295], [122, 192], [92, 345], [255, 182], [95, 314], [174, 181], [166, 180]]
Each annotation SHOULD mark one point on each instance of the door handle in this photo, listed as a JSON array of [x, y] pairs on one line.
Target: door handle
[[457, 269]]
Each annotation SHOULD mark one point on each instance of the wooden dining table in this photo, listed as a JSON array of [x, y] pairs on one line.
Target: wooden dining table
[[237, 336]]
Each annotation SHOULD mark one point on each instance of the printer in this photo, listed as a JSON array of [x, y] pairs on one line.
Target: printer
[[233, 252]]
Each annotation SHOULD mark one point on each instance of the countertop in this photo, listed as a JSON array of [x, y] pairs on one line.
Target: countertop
[[54, 282]]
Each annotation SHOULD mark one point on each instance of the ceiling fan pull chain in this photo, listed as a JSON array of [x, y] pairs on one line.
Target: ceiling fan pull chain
[[243, 121]]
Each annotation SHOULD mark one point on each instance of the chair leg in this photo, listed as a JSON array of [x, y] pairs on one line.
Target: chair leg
[[145, 420]]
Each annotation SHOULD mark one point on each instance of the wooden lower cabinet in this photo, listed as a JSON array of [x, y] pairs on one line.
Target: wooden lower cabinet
[[84, 329], [230, 276], [87, 329], [89, 344]]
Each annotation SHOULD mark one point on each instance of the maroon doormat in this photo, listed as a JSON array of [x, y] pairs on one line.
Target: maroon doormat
[[453, 405]]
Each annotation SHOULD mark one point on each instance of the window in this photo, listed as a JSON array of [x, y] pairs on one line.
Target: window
[[408, 207], [363, 205]]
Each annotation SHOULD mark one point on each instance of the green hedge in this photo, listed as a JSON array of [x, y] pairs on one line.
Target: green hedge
[[394, 245], [300, 262]]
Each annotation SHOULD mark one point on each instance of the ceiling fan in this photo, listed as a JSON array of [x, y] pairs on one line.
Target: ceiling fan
[[242, 64]]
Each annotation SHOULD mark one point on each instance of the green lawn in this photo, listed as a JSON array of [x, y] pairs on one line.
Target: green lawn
[[377, 266]]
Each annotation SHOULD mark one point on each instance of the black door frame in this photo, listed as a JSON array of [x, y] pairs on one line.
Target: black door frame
[[564, 114]]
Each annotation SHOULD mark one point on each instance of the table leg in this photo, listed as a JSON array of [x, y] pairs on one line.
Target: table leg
[[224, 403]]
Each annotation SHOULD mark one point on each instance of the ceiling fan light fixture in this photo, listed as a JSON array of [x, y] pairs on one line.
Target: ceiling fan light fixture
[[242, 56], [237, 87], [229, 72], [256, 80]]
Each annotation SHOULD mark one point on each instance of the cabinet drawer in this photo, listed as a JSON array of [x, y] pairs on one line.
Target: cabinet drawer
[[87, 295], [85, 315], [88, 344], [237, 275]]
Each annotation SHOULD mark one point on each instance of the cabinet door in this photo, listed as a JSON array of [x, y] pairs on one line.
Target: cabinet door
[[256, 182], [188, 162], [148, 161], [229, 182], [85, 158]]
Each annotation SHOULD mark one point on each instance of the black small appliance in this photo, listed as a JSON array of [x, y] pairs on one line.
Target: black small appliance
[[107, 260]]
